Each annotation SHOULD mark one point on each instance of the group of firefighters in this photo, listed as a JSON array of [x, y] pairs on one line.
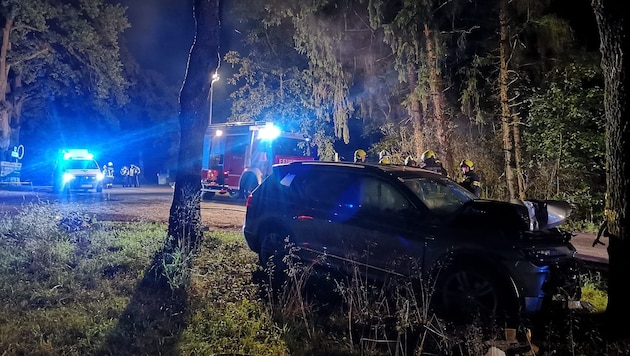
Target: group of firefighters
[[428, 160], [130, 175]]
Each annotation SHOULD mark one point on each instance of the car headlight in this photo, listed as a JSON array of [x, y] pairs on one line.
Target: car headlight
[[67, 177], [100, 176]]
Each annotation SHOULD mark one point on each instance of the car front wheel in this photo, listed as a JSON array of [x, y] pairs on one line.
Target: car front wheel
[[467, 293]]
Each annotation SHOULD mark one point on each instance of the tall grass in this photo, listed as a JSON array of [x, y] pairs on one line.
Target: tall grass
[[72, 285]]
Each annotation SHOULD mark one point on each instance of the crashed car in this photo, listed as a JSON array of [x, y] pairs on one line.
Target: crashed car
[[484, 256]]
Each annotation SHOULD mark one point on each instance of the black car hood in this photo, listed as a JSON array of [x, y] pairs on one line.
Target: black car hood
[[531, 215]]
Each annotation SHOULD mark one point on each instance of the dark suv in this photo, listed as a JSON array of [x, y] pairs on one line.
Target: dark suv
[[388, 220]]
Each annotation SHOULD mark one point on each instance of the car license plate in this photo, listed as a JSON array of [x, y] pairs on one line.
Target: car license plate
[[86, 185]]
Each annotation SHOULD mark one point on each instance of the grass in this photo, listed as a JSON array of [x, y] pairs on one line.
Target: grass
[[71, 285]]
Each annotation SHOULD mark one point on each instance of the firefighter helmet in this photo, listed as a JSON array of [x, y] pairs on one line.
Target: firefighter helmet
[[410, 161], [110, 164], [383, 157], [427, 154], [359, 155], [468, 163]]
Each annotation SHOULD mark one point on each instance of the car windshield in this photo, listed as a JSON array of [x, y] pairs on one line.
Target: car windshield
[[80, 164], [441, 196]]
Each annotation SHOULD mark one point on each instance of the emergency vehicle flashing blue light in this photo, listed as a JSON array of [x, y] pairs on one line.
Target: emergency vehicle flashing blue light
[[268, 133], [77, 153]]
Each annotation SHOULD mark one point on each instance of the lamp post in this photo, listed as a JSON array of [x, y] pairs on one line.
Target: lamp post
[[215, 78]]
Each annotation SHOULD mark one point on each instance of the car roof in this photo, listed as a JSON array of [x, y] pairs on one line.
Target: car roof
[[401, 171]]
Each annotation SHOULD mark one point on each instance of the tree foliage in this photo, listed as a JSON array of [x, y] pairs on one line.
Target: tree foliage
[[56, 55], [564, 138]]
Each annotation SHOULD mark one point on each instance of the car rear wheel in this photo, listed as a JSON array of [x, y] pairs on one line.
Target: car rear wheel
[[273, 248], [467, 293]]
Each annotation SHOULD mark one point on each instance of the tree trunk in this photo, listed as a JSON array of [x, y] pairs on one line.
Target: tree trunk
[[516, 132], [415, 112], [5, 107], [184, 223], [506, 115], [16, 118], [612, 19], [438, 100]]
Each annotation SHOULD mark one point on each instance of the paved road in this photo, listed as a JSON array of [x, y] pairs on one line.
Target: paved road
[[154, 201]]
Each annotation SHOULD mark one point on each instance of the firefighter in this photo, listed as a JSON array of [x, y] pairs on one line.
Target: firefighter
[[430, 162], [133, 174], [124, 173], [383, 157], [108, 171], [411, 161], [471, 179], [360, 155]]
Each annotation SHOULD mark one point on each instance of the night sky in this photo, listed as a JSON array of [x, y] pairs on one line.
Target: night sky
[[161, 34]]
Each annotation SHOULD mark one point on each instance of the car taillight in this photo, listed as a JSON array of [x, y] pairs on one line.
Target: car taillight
[[248, 202]]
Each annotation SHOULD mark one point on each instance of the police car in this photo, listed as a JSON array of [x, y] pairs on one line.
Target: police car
[[76, 169]]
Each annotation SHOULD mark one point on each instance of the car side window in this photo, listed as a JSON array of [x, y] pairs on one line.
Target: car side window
[[324, 189], [381, 197]]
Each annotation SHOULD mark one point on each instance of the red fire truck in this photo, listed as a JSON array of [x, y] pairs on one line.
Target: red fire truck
[[237, 156]]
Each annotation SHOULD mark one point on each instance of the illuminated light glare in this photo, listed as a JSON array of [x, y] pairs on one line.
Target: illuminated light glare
[[67, 177], [219, 133], [77, 153], [100, 176], [268, 133]]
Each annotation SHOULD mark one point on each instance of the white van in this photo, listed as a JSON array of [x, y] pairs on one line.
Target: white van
[[76, 169]]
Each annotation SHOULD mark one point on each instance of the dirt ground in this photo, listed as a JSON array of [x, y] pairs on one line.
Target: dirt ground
[[153, 203], [133, 204]]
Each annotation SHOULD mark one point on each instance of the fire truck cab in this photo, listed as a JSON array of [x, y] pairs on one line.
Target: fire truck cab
[[237, 156]]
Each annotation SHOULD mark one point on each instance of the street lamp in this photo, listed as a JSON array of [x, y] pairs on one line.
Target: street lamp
[[215, 78]]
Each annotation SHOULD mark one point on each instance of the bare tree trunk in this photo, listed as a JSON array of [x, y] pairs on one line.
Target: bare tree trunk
[[5, 107], [437, 98], [184, 223], [415, 112], [612, 21], [506, 115], [16, 118], [516, 132]]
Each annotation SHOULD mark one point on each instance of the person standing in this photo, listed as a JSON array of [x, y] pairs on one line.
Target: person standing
[[430, 162], [471, 179], [134, 173], [108, 171], [124, 173]]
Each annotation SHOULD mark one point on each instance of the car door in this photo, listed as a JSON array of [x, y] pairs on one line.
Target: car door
[[387, 235], [318, 213]]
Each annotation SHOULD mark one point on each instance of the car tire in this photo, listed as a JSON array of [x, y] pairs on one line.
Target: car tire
[[467, 292], [274, 249], [99, 189]]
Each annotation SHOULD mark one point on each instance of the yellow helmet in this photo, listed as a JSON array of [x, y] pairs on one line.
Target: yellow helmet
[[410, 161], [427, 154], [359, 155], [467, 163]]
